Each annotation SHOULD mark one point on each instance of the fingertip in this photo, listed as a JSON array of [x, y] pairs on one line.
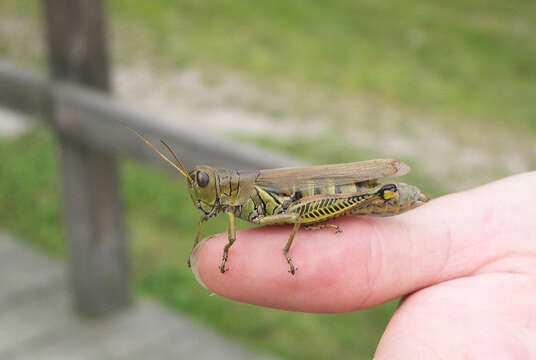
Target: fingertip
[[258, 272], [194, 261]]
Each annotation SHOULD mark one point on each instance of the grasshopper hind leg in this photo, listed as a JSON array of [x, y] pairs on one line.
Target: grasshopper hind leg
[[323, 226]]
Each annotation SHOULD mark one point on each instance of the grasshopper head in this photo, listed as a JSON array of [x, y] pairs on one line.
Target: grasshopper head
[[202, 188]]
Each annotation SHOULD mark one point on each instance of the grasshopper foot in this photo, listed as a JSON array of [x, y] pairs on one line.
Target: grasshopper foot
[[292, 269], [189, 262]]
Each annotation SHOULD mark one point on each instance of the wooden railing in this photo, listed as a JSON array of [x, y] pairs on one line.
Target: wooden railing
[[92, 131]]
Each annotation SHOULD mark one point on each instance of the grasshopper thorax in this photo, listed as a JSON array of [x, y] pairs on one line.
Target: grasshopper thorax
[[203, 188]]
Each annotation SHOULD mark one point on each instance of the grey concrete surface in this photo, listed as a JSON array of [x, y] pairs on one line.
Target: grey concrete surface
[[37, 320]]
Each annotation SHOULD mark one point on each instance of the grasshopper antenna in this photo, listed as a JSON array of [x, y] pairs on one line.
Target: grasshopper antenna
[[180, 169], [175, 157]]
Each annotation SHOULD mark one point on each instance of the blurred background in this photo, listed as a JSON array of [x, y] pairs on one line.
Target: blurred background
[[447, 87]]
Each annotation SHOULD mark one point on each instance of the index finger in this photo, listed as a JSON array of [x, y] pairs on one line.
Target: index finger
[[375, 260]]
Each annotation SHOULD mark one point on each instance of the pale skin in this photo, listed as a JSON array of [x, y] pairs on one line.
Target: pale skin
[[465, 263]]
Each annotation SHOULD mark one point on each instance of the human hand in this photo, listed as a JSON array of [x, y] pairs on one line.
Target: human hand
[[466, 263]]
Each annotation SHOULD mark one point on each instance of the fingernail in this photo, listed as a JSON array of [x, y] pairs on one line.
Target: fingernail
[[193, 263]]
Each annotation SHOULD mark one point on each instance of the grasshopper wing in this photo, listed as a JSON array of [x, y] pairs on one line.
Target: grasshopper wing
[[285, 179]]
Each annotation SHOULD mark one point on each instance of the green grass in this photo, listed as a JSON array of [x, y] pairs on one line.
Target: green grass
[[476, 58], [29, 191], [162, 223], [470, 58]]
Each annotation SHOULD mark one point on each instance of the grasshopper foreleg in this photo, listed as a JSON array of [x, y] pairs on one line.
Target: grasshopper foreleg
[[292, 270], [197, 237], [231, 235]]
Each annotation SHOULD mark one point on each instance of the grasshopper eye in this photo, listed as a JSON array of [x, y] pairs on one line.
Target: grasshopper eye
[[202, 178]]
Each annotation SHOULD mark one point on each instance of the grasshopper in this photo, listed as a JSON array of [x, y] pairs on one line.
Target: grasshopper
[[303, 196]]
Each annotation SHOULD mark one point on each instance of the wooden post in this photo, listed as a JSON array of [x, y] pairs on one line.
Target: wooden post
[[98, 261]]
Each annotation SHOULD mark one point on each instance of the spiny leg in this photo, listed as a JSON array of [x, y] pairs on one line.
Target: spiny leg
[[197, 237], [287, 247], [322, 226], [231, 234], [291, 218]]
